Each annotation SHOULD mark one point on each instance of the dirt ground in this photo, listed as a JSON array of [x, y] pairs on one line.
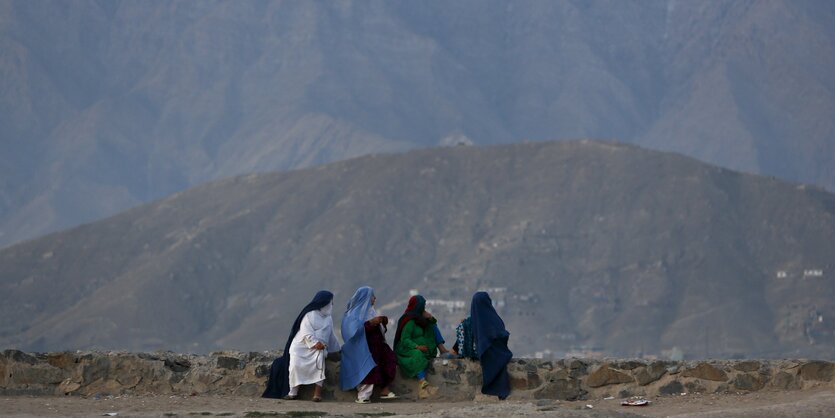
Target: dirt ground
[[812, 403]]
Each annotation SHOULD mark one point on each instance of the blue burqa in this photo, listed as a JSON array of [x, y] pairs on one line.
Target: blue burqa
[[356, 356], [279, 384], [491, 346]]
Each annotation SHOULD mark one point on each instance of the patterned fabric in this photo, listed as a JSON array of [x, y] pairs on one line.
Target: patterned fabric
[[465, 343]]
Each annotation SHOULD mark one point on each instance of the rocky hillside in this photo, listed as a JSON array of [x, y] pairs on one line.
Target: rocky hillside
[[590, 246], [105, 105]]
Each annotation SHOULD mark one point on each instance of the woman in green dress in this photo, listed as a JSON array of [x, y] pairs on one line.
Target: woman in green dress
[[416, 341]]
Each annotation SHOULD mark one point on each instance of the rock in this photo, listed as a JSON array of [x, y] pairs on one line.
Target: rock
[[3, 374], [629, 364], [67, 387], [178, 365], [63, 360], [650, 373], [526, 381], [606, 376], [673, 388], [34, 375], [748, 382], [706, 371], [577, 367], [533, 380], [563, 389], [19, 356], [249, 389], [695, 386], [262, 370], [817, 370], [230, 363], [748, 366], [785, 381], [94, 368]]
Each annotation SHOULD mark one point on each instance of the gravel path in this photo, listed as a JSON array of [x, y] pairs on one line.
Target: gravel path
[[812, 403]]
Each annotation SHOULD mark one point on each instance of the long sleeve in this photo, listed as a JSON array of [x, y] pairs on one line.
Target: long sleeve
[[306, 333], [406, 335], [333, 343]]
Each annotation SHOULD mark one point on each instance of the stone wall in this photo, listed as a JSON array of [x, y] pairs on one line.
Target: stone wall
[[245, 374]]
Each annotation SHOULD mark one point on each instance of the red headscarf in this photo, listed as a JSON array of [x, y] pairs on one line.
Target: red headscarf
[[414, 311]]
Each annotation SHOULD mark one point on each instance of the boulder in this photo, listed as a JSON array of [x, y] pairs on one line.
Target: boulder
[[749, 382], [577, 368], [67, 387], [20, 374], [20, 357], [604, 375], [3, 374], [524, 381], [748, 366], [650, 373], [820, 371], [629, 364], [65, 360], [785, 381], [695, 386], [673, 388], [706, 371], [566, 389], [230, 363]]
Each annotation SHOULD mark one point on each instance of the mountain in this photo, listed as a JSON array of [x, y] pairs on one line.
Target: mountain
[[583, 245], [105, 105]]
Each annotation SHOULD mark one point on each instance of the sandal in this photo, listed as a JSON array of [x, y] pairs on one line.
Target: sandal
[[390, 395], [290, 397], [362, 401], [317, 399]]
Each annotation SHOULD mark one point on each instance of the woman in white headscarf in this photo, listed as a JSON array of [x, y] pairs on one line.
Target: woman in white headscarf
[[308, 350]]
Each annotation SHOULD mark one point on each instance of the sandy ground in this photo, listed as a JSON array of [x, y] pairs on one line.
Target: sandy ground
[[812, 403]]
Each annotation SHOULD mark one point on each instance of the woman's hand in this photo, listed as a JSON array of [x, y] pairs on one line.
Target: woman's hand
[[319, 346], [422, 348]]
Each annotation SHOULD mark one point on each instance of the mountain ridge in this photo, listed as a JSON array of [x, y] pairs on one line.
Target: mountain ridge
[[107, 105]]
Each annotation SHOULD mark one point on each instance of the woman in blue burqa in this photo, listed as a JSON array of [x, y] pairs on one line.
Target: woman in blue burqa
[[303, 360], [367, 360], [483, 336]]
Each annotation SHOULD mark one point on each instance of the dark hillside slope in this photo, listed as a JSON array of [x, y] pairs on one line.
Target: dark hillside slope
[[585, 245]]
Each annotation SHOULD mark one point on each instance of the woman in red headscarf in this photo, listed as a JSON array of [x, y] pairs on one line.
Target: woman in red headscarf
[[416, 341]]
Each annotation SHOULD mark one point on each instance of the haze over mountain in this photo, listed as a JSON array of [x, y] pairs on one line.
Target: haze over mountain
[[598, 246], [108, 104]]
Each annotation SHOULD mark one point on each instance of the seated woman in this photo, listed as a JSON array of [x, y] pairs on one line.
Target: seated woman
[[464, 346], [416, 341], [366, 358], [490, 339], [303, 360]]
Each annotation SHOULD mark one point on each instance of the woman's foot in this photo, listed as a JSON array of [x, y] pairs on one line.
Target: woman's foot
[[317, 393], [426, 390], [387, 396]]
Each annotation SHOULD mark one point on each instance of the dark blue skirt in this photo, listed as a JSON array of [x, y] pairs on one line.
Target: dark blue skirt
[[494, 369]]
